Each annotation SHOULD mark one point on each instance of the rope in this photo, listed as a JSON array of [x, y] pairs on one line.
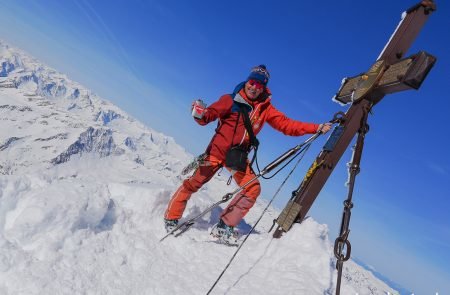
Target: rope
[[302, 152]]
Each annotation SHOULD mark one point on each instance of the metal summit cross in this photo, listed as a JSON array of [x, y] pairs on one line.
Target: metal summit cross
[[390, 73]]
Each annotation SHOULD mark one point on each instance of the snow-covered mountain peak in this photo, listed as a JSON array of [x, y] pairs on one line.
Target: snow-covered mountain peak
[[83, 189]]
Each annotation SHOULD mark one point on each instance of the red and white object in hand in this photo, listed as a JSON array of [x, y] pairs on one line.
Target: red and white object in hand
[[198, 108]]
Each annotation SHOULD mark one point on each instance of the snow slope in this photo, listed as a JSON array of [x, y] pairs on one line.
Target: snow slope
[[83, 188]]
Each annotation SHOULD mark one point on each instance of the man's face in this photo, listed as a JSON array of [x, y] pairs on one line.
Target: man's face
[[253, 88]]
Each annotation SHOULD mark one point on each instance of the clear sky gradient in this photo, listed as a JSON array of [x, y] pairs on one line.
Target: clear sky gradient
[[152, 58]]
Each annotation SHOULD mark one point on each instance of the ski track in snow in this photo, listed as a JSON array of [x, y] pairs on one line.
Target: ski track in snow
[[91, 224]]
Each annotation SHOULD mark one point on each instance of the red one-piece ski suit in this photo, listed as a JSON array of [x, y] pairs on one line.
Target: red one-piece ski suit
[[230, 133]]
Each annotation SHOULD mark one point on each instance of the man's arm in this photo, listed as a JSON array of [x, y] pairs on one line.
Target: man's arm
[[216, 110], [288, 126]]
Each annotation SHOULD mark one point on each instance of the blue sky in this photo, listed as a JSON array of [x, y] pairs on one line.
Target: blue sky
[[152, 58]]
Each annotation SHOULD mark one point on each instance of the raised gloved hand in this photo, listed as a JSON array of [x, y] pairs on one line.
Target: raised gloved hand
[[198, 108]]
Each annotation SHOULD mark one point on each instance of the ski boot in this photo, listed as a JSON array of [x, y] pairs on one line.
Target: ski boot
[[170, 224], [225, 233]]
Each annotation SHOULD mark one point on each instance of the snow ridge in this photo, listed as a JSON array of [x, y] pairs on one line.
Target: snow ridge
[[84, 186]]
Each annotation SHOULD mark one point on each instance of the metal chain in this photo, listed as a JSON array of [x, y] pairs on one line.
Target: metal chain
[[342, 243]]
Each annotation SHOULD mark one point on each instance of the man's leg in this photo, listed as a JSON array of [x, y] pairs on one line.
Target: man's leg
[[242, 202], [202, 175]]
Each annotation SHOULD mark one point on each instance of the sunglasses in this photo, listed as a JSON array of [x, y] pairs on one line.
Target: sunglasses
[[256, 83]]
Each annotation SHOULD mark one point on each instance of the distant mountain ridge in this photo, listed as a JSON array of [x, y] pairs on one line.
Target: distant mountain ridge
[[60, 119], [382, 277], [83, 187]]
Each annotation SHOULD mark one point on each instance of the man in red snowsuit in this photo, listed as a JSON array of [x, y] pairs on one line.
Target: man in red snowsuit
[[255, 96]]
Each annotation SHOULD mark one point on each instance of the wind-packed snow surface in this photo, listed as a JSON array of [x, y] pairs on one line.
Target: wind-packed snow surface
[[83, 189]]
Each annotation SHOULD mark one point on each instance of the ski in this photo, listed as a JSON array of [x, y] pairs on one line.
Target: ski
[[184, 228], [186, 225], [222, 242], [213, 240]]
